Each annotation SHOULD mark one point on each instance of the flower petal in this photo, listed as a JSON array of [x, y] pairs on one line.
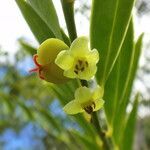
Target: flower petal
[[73, 107], [64, 60], [79, 47], [98, 92], [83, 94], [88, 73], [70, 73], [93, 57], [98, 104]]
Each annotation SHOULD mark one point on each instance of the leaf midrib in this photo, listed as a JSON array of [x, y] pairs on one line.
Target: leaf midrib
[[110, 42], [128, 77]]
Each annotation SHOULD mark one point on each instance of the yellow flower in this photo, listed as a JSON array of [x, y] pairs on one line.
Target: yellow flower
[[79, 61], [85, 100], [44, 61]]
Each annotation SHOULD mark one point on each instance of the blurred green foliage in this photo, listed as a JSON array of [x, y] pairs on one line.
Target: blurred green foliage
[[25, 98]]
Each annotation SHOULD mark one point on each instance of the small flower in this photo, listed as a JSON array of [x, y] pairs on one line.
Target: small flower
[[79, 61], [85, 100], [44, 61]]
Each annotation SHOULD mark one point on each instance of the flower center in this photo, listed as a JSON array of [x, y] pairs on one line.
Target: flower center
[[80, 66], [89, 108]]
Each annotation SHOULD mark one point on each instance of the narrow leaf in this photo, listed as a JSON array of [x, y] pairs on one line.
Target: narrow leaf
[[38, 27], [45, 9], [88, 145], [109, 23], [65, 37], [52, 120], [121, 112], [68, 10], [128, 135], [26, 110], [27, 47], [117, 79]]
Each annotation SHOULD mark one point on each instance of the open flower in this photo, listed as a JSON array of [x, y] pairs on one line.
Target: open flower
[[79, 61], [44, 61], [85, 100]]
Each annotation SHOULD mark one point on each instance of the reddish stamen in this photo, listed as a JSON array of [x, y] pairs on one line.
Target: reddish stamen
[[38, 68], [34, 70], [35, 60], [40, 75]]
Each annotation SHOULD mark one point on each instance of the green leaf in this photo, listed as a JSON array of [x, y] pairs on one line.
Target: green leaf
[[47, 120], [6, 99], [27, 47], [119, 84], [128, 134], [63, 92], [109, 23], [26, 110], [38, 27], [117, 79], [120, 114], [45, 114], [65, 37], [87, 143], [45, 9], [68, 10], [132, 71]]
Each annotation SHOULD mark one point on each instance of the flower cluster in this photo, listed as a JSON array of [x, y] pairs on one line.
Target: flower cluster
[[56, 62]]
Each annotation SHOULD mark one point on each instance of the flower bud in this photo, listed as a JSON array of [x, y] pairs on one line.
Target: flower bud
[[44, 61]]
